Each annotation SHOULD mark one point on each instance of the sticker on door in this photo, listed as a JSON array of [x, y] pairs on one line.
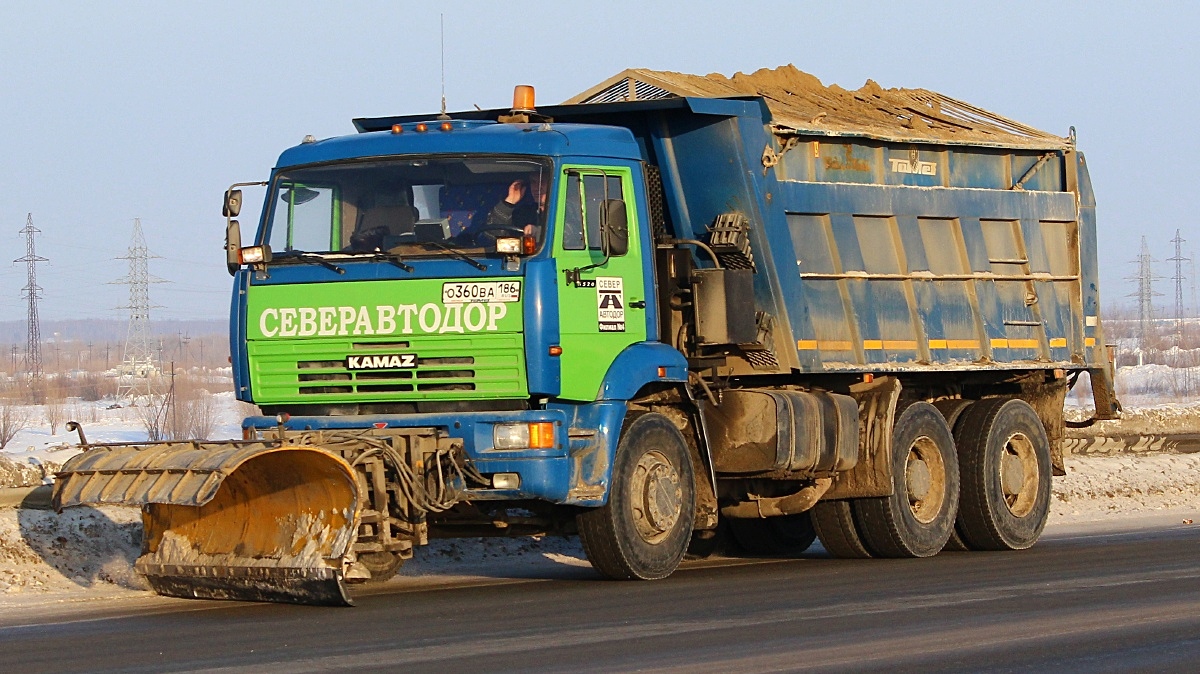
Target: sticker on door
[[610, 301]]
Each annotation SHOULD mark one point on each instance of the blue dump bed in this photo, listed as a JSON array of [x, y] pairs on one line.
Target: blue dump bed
[[894, 230]]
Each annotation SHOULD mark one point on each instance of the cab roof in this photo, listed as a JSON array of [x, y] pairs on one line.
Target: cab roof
[[467, 136]]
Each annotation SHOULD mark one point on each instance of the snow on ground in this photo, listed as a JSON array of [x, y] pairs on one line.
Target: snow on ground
[[35, 452], [88, 553]]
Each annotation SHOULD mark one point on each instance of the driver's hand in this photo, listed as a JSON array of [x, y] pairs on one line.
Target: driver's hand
[[516, 192]]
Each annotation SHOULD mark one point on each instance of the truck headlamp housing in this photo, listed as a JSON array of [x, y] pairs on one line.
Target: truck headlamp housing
[[255, 255], [508, 245], [537, 435]]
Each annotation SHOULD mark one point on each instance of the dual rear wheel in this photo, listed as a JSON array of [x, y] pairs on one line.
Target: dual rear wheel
[[983, 486]]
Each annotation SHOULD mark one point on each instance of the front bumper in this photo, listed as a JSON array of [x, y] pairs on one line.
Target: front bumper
[[574, 471]]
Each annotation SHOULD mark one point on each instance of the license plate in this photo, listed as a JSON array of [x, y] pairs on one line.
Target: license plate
[[459, 292], [389, 361]]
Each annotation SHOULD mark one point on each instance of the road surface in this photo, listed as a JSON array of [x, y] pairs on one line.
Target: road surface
[[1094, 600]]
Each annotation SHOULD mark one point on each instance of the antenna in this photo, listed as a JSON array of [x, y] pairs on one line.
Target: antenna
[[442, 35]]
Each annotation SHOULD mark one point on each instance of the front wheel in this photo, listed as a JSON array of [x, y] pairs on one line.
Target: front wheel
[[643, 532]]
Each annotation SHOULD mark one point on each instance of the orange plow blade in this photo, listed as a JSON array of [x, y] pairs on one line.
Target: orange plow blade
[[240, 520]]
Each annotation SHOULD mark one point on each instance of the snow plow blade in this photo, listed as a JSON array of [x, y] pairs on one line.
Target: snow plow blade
[[252, 521]]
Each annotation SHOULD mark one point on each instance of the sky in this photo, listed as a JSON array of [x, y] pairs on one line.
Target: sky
[[122, 110]]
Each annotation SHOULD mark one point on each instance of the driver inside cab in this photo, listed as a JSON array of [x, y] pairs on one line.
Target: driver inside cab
[[523, 208]]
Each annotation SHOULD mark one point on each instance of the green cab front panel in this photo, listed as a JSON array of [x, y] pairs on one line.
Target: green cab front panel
[[603, 311], [386, 341]]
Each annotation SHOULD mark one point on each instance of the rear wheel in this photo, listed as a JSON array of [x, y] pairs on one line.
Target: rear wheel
[[918, 518], [1005, 459], [643, 531], [833, 522], [783, 535]]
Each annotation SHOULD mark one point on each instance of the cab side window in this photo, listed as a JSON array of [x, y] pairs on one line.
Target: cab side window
[[585, 199]]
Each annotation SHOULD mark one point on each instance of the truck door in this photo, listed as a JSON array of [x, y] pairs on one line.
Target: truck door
[[604, 311]]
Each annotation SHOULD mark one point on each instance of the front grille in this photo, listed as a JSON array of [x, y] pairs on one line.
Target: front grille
[[447, 368]]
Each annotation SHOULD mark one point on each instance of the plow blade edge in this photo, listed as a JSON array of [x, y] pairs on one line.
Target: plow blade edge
[[250, 521]]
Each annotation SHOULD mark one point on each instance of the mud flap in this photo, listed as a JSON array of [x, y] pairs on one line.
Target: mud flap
[[248, 520]]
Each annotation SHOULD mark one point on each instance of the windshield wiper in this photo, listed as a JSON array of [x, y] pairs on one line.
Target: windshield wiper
[[311, 257], [393, 258], [459, 255]]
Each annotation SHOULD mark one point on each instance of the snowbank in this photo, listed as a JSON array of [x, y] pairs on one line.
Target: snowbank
[[89, 552]]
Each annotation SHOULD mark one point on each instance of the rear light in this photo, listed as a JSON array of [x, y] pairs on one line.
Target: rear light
[[529, 244]]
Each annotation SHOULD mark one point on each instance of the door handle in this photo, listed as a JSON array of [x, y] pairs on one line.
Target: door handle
[[640, 304]]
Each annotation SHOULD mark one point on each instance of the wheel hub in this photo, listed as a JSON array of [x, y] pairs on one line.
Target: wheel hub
[[1019, 474], [1012, 474], [925, 479], [919, 481], [658, 497]]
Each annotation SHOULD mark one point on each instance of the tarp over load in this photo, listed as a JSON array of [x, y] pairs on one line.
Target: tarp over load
[[799, 102]]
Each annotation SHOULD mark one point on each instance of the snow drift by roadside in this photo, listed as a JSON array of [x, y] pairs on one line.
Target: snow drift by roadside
[[90, 551]]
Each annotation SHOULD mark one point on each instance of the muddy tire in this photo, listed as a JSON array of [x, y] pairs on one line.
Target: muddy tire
[[643, 531], [382, 565], [784, 535], [1005, 462], [918, 518], [833, 522]]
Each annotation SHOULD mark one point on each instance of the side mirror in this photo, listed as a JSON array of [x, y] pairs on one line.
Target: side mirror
[[614, 228], [233, 246], [233, 204]]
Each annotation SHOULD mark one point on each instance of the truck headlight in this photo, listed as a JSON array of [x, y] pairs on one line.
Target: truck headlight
[[508, 246], [537, 435]]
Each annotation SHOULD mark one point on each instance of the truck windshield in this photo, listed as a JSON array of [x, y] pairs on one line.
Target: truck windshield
[[409, 206]]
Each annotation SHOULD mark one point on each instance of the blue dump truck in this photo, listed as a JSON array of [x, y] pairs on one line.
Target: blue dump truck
[[672, 307]]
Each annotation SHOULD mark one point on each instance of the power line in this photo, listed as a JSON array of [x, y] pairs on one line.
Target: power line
[[137, 363], [1179, 259], [1145, 293], [32, 292]]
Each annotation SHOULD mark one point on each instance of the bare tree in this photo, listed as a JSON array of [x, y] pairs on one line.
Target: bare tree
[[13, 419], [54, 410], [154, 413]]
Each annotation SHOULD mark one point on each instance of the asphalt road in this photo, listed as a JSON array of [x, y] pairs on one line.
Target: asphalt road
[[1078, 601]]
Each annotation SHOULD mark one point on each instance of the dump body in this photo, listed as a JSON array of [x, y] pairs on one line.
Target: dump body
[[878, 255]]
